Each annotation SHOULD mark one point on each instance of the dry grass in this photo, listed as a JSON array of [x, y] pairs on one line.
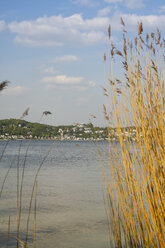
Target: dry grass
[[135, 184]]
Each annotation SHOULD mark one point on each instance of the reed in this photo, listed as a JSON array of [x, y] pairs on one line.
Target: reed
[[3, 85], [20, 185], [35, 215], [135, 182]]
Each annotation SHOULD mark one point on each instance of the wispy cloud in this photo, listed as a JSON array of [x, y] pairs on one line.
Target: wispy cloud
[[113, 1], [68, 87], [65, 58], [2, 25], [50, 70], [91, 83], [81, 100], [132, 4], [62, 80], [104, 11], [88, 3], [18, 90], [162, 8]]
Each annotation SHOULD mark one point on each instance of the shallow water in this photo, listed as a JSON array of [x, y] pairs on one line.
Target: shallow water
[[70, 205]]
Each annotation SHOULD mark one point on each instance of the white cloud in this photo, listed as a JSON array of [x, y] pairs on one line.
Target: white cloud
[[2, 25], [59, 30], [50, 70], [13, 90], [65, 58], [62, 80], [162, 8], [76, 31], [150, 22], [104, 12]]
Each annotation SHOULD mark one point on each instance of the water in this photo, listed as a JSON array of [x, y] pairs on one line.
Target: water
[[70, 205]]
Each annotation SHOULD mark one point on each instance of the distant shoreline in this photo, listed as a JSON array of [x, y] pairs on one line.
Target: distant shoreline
[[77, 140], [20, 130]]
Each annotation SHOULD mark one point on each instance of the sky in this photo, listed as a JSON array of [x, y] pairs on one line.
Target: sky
[[52, 54]]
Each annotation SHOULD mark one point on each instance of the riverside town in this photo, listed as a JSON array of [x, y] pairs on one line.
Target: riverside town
[[21, 129]]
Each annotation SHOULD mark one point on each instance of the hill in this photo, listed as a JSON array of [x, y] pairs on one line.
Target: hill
[[21, 129]]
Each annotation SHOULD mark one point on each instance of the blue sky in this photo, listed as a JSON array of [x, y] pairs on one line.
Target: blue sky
[[52, 53]]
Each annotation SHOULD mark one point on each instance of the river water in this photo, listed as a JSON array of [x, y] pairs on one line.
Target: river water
[[70, 206]]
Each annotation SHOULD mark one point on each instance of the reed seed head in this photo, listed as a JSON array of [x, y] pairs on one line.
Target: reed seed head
[[3, 85], [140, 28], [109, 32]]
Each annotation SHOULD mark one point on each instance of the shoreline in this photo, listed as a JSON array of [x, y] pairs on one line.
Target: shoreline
[[113, 139]]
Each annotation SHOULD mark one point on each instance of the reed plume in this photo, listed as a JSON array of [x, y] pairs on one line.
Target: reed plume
[[135, 182], [3, 85]]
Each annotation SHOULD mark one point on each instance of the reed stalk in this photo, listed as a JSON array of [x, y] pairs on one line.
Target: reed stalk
[[135, 182], [33, 191], [35, 215], [8, 235]]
